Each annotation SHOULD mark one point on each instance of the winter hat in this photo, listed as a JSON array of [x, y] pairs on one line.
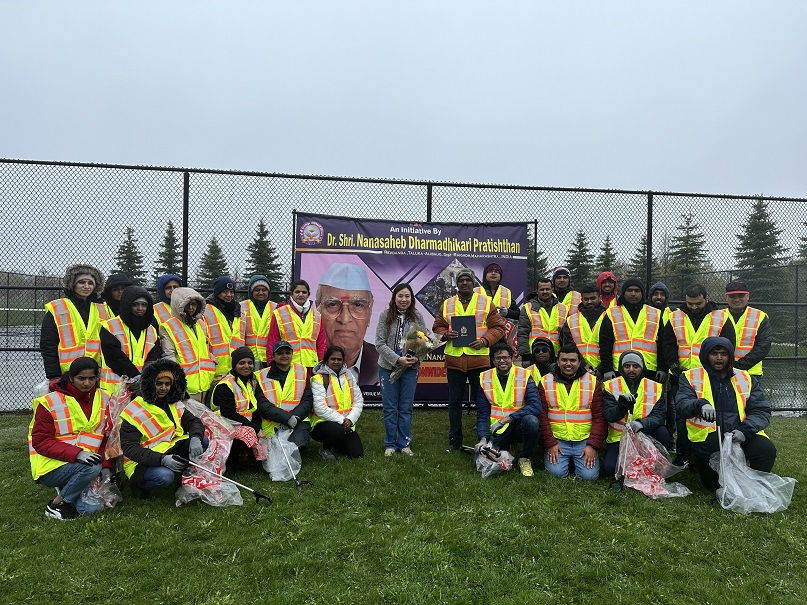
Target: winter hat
[[631, 357], [542, 342], [560, 271], [73, 272], [465, 272], [242, 353], [116, 279], [632, 281], [162, 281], [222, 283], [258, 280], [736, 287], [165, 374], [659, 286], [491, 267]]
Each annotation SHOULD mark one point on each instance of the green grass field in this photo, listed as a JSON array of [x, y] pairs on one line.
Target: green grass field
[[426, 529]]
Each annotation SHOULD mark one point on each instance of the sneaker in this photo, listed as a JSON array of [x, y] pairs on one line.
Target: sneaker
[[453, 446], [408, 451], [525, 466], [389, 451], [326, 454], [63, 511]]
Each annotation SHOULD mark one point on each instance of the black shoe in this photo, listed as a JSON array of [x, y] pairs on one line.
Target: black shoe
[[63, 511], [138, 493], [681, 460], [453, 446]]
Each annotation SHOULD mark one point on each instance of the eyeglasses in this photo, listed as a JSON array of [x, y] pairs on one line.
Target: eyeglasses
[[359, 308], [502, 358]]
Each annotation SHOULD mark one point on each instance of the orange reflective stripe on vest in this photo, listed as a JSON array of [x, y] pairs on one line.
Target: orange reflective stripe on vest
[[193, 354], [697, 428], [504, 401], [159, 431], [135, 349], [479, 306], [639, 335], [301, 335], [586, 338], [162, 311], [546, 325], [745, 331], [255, 327], [287, 396], [647, 396], [690, 340], [75, 339], [570, 411]]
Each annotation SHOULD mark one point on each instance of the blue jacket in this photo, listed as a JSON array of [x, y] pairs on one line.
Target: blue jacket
[[532, 405]]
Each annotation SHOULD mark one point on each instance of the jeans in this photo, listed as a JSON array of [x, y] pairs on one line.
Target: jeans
[[398, 398], [572, 451], [612, 449], [71, 479], [456, 389], [526, 431], [156, 477]]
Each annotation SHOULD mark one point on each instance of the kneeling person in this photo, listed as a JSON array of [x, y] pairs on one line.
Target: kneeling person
[[508, 406]]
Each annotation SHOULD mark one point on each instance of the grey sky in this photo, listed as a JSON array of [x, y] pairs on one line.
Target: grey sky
[[684, 96]]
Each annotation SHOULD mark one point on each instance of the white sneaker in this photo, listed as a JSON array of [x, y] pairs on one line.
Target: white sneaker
[[408, 451], [525, 466], [389, 451]]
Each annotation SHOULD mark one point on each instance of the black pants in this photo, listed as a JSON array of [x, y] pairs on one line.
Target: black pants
[[612, 449], [333, 437], [456, 389], [760, 452]]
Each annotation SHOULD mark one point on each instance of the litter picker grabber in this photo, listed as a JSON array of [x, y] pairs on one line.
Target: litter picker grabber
[[297, 483], [258, 495]]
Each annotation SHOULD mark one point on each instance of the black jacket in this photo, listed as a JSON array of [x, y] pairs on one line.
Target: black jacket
[[670, 341], [49, 334], [114, 357], [271, 412]]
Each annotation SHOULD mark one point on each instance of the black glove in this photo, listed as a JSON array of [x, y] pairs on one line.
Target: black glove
[[627, 400], [503, 311], [661, 376], [708, 412], [609, 375], [173, 463], [195, 448], [88, 458], [676, 369]]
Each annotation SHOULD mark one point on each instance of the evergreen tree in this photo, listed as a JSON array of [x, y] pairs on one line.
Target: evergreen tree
[[803, 245], [606, 260], [129, 260], [537, 263], [169, 259], [212, 265], [688, 253], [759, 254], [637, 264], [580, 259], [262, 258]]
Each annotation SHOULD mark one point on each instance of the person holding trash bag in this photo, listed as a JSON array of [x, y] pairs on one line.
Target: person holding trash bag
[[157, 432], [717, 394], [337, 406], [632, 395], [67, 437]]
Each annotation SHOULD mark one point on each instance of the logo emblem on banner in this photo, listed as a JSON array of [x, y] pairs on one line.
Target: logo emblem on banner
[[311, 233]]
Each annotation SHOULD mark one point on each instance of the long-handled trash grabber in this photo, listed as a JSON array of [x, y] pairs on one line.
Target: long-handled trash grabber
[[258, 495], [297, 483]]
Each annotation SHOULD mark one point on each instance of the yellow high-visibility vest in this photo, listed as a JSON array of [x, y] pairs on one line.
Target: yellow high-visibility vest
[[223, 338], [159, 431], [75, 339], [638, 336], [337, 397], [745, 330], [570, 411], [502, 298], [193, 353], [504, 401], [162, 311], [301, 335], [586, 338], [647, 396], [287, 396], [136, 349], [690, 340], [546, 325], [479, 306]]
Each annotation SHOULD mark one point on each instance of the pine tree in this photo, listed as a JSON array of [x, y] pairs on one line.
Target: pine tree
[[537, 262], [263, 259], [803, 245], [580, 259], [759, 254], [688, 253], [606, 260], [129, 260], [212, 265], [169, 259], [638, 262]]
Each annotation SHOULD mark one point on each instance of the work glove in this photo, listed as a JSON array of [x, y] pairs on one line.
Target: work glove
[[133, 386], [292, 421], [106, 475], [635, 426], [676, 369], [496, 427], [173, 463], [609, 375], [737, 436], [708, 412], [627, 400], [482, 443], [195, 448], [88, 458], [502, 311], [661, 376]]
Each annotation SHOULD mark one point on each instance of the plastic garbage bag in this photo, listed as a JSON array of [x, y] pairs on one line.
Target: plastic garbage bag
[[41, 388], [275, 463], [644, 465], [745, 490], [117, 402], [101, 494], [490, 461]]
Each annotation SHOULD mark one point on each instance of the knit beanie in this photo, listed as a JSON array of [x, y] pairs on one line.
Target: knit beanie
[[222, 283]]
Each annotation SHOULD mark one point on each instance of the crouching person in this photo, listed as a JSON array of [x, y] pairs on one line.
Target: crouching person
[[631, 393], [508, 406], [67, 437], [156, 430]]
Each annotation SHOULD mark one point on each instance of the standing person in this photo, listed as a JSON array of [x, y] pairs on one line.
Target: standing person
[[398, 397], [465, 364], [628, 395], [115, 285], [67, 438], [156, 430], [183, 338], [562, 289], [583, 328], [508, 407], [223, 320], [502, 297], [71, 326], [256, 315], [337, 406], [751, 331], [166, 284], [128, 341], [657, 297], [606, 282], [572, 423], [289, 400], [300, 324], [716, 394], [542, 316]]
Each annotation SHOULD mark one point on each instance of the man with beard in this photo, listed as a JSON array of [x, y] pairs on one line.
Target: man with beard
[[562, 289], [606, 282], [750, 332], [542, 316], [657, 296], [583, 328]]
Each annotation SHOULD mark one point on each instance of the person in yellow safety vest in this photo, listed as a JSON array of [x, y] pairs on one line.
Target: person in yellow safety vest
[[128, 341], [67, 439], [166, 284], [502, 297], [572, 423], [508, 407], [657, 296], [632, 402], [751, 331], [157, 431], [583, 328], [223, 322], [71, 324], [256, 315], [543, 354], [466, 363], [632, 325], [716, 394], [289, 400], [299, 323], [562, 289], [183, 338], [113, 290], [606, 282], [542, 316], [338, 402]]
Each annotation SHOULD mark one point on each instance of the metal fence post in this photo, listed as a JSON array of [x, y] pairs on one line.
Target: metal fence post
[[186, 213], [648, 270], [428, 202]]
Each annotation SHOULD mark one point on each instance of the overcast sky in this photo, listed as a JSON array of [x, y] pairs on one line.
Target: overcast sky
[[683, 96]]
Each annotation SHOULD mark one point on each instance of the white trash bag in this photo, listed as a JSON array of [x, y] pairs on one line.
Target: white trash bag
[[490, 461], [276, 464]]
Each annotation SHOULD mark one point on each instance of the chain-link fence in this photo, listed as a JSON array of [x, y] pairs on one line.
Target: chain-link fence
[[59, 213]]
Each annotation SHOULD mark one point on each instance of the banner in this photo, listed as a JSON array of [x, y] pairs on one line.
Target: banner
[[363, 260]]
